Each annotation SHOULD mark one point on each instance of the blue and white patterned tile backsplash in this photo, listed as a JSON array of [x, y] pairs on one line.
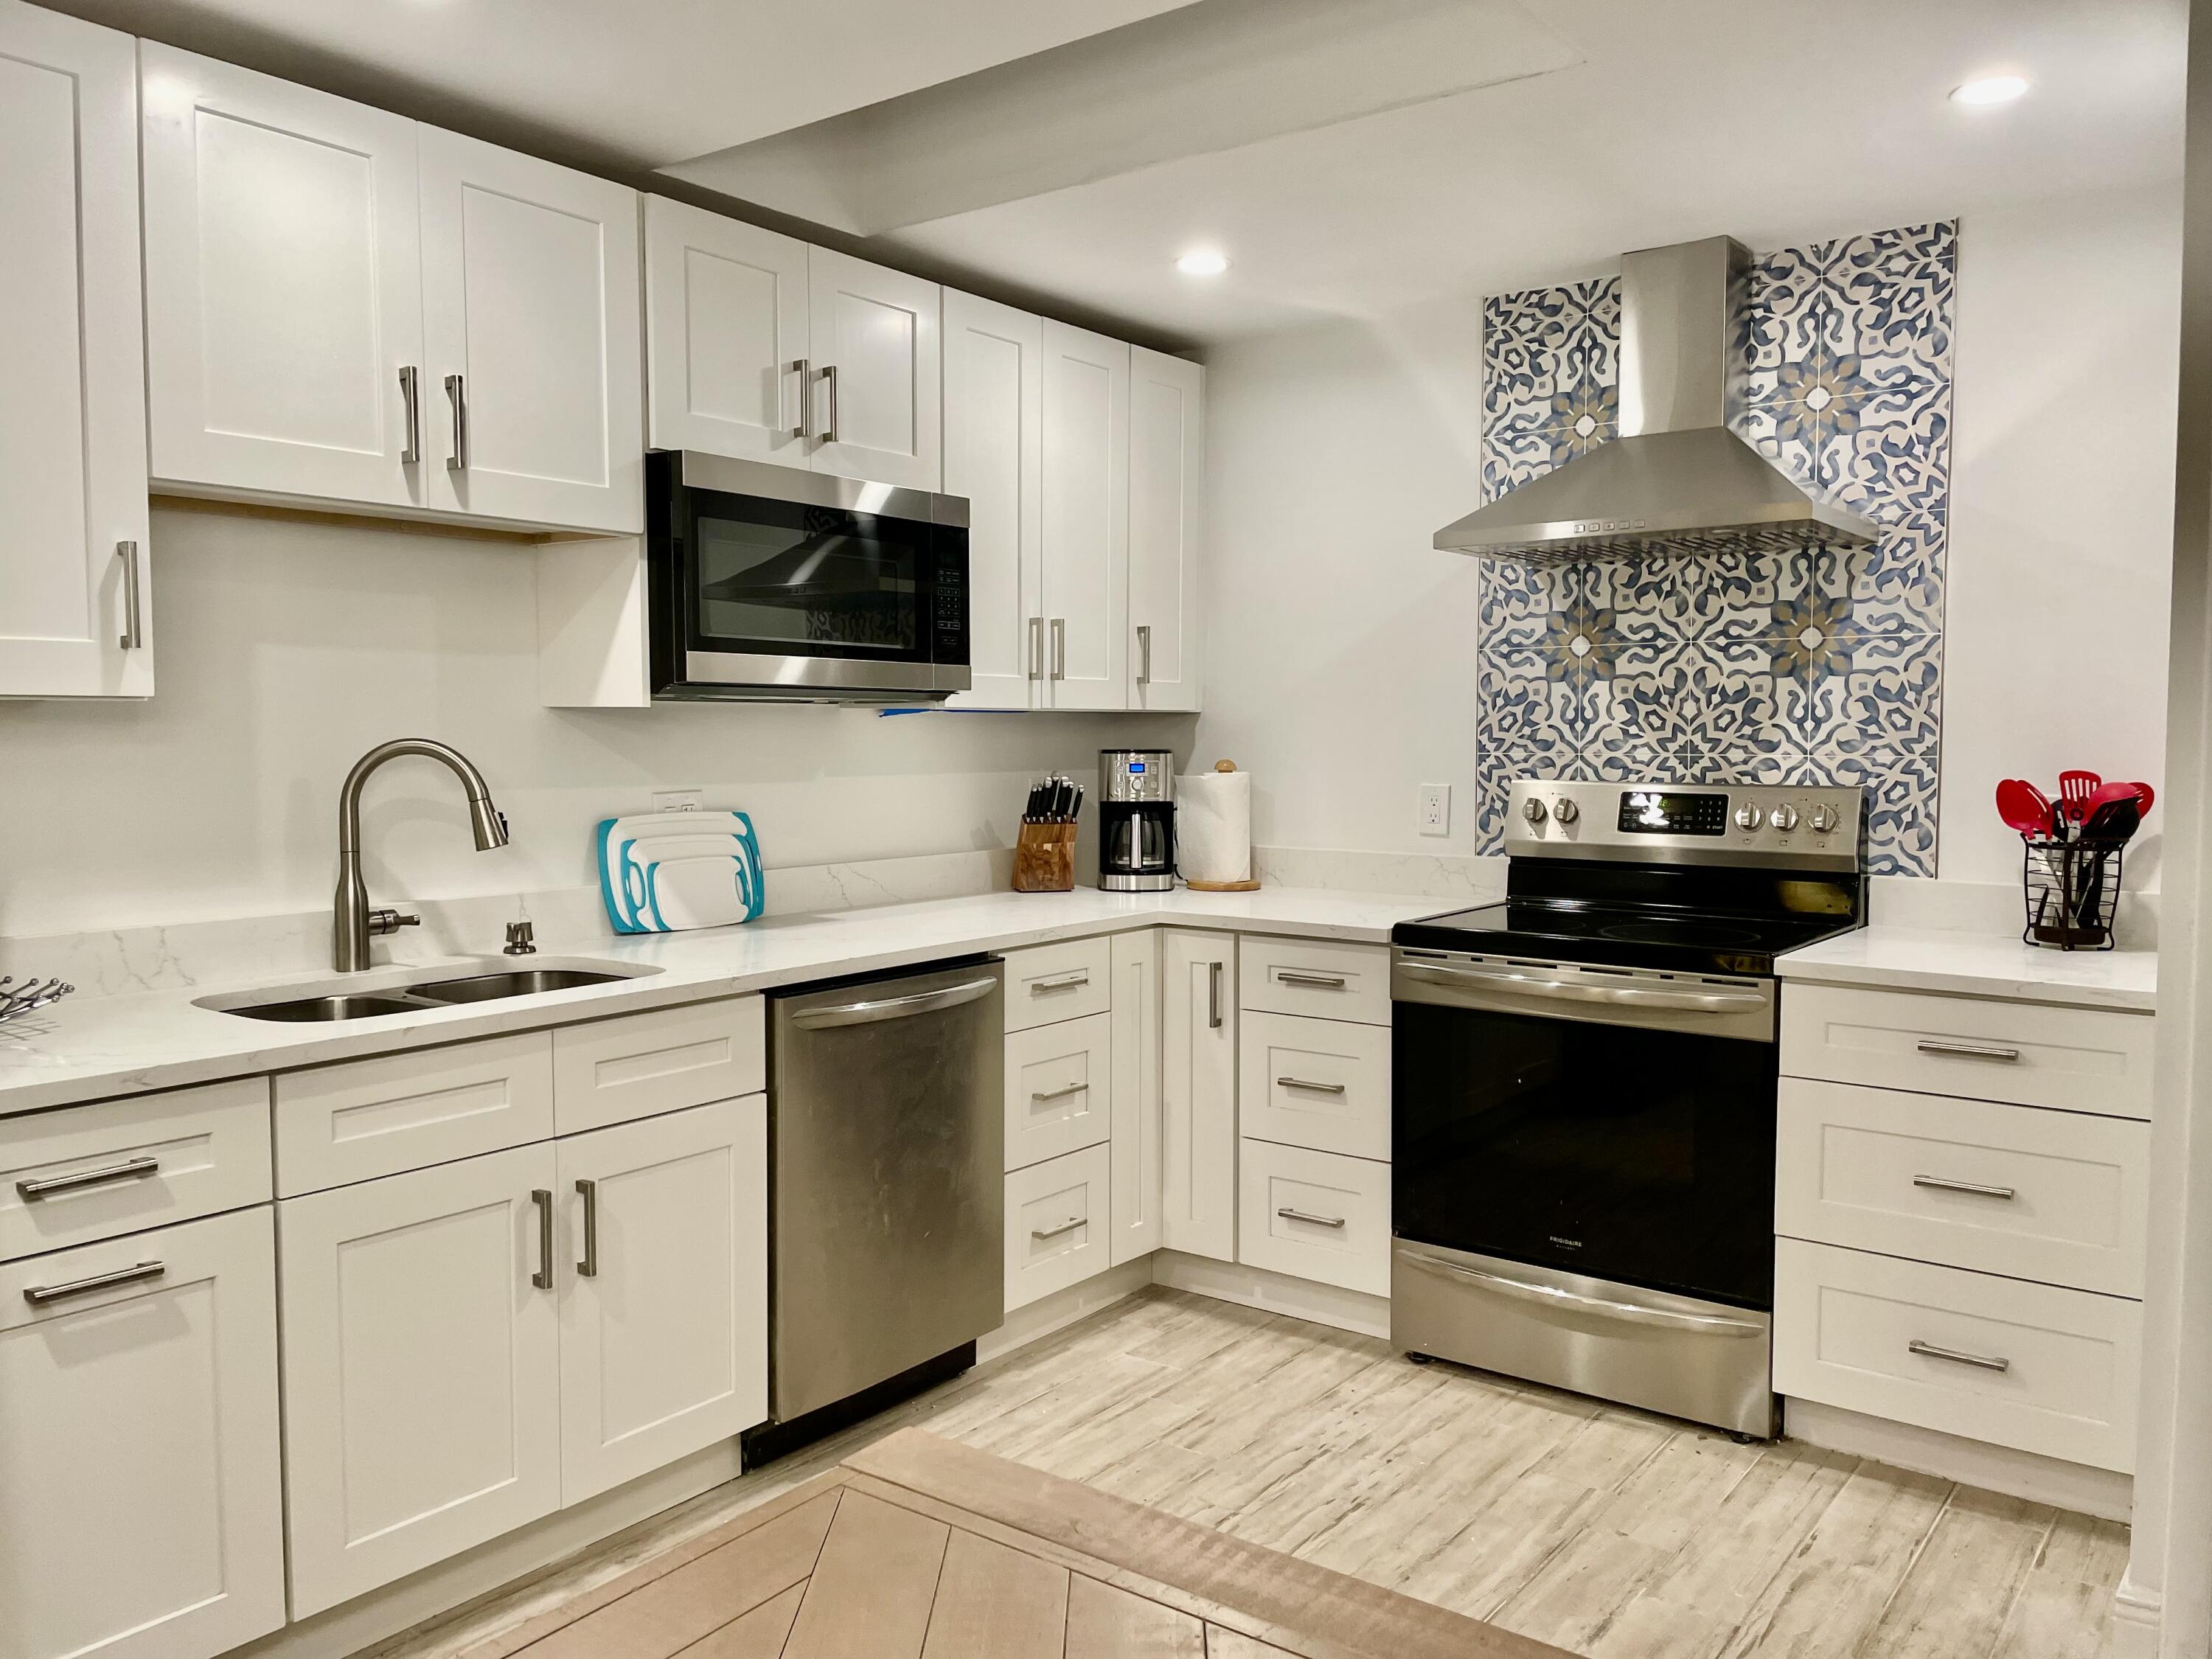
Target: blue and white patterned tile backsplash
[[1820, 665]]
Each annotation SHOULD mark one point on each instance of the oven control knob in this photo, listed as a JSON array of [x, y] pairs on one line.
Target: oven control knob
[[1566, 812], [1532, 810], [1824, 819], [1783, 817], [1749, 816]]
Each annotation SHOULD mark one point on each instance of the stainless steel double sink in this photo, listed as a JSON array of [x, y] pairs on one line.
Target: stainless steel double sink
[[337, 1001]]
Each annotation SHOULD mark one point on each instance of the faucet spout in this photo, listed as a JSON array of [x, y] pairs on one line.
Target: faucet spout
[[352, 923]]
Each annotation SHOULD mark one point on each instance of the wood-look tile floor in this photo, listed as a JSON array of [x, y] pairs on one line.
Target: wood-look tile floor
[[1603, 1530]]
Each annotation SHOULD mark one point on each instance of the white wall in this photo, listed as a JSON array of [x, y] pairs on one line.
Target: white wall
[[286, 647], [1344, 669]]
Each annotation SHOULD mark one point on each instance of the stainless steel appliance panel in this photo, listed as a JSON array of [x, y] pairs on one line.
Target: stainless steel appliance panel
[[887, 1146]]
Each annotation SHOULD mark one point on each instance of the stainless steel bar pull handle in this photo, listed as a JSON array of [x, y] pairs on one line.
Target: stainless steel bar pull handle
[[1144, 654], [1979, 1361], [1289, 1214], [1059, 648], [1967, 1050], [1213, 996], [1321, 981], [39, 1295], [1061, 1094], [411, 401], [830, 379], [1556, 1296], [543, 1198], [456, 393], [133, 637], [798, 367], [1060, 982], [1945, 1184], [1055, 1232], [131, 1169], [589, 1266], [1037, 647], [1301, 1082], [919, 1002]]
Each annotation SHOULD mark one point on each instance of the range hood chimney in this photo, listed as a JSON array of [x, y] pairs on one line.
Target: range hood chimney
[[1676, 480]]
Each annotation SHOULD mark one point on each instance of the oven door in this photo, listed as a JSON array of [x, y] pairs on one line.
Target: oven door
[[1617, 1125]]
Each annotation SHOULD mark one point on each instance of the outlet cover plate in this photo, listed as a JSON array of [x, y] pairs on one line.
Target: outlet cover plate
[[679, 801], [1433, 814]]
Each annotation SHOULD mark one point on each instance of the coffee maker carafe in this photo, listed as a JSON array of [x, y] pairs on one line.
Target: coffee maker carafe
[[1136, 820]]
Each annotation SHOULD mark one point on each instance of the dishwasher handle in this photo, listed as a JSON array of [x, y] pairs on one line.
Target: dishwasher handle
[[919, 1002]]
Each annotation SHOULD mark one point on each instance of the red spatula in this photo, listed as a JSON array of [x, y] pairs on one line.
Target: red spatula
[[2074, 789]]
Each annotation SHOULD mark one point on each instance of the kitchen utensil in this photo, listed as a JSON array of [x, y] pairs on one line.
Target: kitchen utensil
[[18, 998], [2114, 820], [2024, 807], [2117, 791], [2074, 789], [632, 848]]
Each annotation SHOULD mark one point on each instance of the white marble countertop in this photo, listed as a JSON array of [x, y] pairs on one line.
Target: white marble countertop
[[1978, 964], [90, 1048]]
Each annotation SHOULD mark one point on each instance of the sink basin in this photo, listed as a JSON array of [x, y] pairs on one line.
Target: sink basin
[[299, 1010], [484, 987]]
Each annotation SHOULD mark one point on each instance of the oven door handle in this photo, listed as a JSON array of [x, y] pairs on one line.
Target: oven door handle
[[1619, 996], [1551, 1296]]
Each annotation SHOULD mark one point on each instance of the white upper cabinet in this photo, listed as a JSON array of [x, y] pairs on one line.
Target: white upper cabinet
[[72, 424], [283, 286], [1084, 598], [531, 325], [993, 456], [875, 392], [725, 336], [1167, 477]]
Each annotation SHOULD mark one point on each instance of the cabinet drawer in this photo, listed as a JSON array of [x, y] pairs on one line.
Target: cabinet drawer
[[1306, 977], [1324, 1083], [2056, 1196], [1058, 1222], [1315, 1215], [2030, 1366], [1060, 1089], [2080, 1059], [613, 1070], [377, 1117], [90, 1172], [1049, 982]]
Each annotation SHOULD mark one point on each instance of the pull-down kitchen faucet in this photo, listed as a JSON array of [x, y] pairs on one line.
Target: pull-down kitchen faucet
[[353, 924]]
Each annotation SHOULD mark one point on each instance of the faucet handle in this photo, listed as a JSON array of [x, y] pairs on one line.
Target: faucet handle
[[521, 939], [391, 921]]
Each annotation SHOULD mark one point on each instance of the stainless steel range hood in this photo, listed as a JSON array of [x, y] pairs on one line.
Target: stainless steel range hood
[[1676, 480]]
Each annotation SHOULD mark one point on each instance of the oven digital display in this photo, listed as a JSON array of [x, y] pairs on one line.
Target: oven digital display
[[1651, 813]]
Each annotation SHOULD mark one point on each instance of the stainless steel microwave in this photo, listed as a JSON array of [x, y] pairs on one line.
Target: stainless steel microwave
[[768, 584]]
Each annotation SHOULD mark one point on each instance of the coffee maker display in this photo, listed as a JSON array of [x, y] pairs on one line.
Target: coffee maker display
[[1136, 820]]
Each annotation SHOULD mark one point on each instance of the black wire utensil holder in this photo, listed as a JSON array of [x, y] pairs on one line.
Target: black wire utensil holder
[[18, 998], [2072, 890]]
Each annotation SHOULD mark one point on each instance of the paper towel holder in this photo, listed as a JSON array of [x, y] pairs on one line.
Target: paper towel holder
[[1249, 886]]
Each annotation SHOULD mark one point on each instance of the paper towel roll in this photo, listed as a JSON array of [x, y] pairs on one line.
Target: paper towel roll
[[1213, 826]]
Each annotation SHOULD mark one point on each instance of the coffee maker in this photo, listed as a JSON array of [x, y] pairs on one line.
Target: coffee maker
[[1136, 820]]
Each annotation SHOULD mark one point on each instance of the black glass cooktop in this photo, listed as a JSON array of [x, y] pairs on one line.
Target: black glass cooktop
[[1628, 937]]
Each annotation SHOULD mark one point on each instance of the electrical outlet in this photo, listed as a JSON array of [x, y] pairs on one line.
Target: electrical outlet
[[1434, 816], [679, 801]]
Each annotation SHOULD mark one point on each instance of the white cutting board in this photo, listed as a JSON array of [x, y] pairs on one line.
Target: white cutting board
[[721, 882]]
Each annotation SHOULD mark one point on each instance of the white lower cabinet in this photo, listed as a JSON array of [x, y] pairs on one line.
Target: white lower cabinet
[[1197, 1093], [664, 1304], [422, 1375], [1057, 1224], [1136, 1140], [141, 1505], [1060, 1092], [1316, 1215], [1319, 1083]]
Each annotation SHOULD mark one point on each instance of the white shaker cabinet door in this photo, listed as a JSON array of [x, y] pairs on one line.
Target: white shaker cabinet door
[[1086, 592], [421, 1369], [1197, 1093], [532, 332], [994, 459], [725, 336], [1167, 478], [877, 371], [283, 288], [72, 414], [663, 1311], [141, 1500], [1136, 1075]]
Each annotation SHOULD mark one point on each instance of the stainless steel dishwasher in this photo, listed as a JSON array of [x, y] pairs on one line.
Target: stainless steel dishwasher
[[887, 1159]]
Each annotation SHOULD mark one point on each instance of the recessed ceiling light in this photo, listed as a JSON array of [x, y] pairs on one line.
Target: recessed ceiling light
[[1990, 89], [1204, 262]]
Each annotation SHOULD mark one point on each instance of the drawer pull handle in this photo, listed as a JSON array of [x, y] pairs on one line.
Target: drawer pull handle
[[1978, 1361], [1059, 1094], [1320, 982], [1213, 996], [1301, 1082], [1289, 1214], [1944, 1184], [589, 1266], [543, 1198], [1060, 982], [1063, 1227], [1967, 1050], [134, 1169], [38, 1295]]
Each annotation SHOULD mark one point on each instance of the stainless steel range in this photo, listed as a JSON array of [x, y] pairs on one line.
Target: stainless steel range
[[1584, 1082]]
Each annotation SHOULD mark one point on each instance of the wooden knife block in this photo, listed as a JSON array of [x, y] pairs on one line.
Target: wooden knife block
[[1044, 858]]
